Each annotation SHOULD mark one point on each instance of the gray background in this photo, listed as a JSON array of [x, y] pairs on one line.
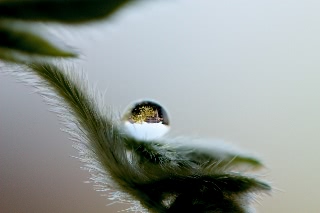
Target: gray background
[[243, 71]]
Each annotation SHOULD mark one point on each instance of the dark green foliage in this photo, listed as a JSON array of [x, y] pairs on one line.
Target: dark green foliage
[[201, 193], [24, 42], [164, 177], [67, 11]]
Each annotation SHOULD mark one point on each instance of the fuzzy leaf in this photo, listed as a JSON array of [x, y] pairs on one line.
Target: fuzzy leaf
[[162, 177], [67, 11], [190, 192], [19, 41], [171, 151]]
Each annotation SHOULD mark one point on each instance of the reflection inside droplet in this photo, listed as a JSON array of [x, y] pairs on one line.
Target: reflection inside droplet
[[146, 120]]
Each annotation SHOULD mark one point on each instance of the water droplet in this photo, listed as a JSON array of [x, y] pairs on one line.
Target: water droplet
[[146, 120]]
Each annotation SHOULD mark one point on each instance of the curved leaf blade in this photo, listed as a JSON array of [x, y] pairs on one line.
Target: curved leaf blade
[[210, 159], [25, 42], [158, 179]]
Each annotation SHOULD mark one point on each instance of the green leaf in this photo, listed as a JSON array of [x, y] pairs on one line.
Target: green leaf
[[209, 159], [201, 193], [67, 11], [18, 41], [163, 177]]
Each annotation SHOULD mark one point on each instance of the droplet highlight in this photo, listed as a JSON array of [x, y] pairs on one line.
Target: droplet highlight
[[146, 120]]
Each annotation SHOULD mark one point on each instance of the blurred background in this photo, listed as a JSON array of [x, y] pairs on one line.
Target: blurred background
[[244, 71]]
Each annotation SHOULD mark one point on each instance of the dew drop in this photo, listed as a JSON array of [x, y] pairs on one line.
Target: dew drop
[[146, 120]]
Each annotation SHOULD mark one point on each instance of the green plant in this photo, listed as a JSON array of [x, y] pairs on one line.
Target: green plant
[[164, 175]]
